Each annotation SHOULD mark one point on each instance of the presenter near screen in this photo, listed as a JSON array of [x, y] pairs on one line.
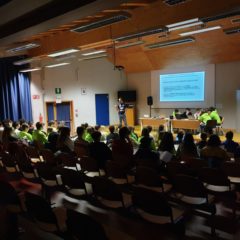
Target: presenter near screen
[[121, 107]]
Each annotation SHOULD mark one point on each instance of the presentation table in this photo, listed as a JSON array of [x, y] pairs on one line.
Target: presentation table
[[185, 124], [154, 122], [175, 123]]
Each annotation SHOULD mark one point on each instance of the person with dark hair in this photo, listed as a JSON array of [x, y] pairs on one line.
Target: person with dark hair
[[121, 108], [186, 113], [80, 140], [214, 152], [214, 115], [31, 127], [24, 133], [16, 130], [88, 136], [161, 132], [201, 144], [166, 147], [179, 137], [176, 113], [230, 145], [133, 137], [64, 142], [112, 135], [7, 136], [38, 135], [188, 148], [145, 134], [123, 147], [99, 150], [51, 124]]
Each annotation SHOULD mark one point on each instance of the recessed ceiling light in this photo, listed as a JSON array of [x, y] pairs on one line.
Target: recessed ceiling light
[[93, 53], [200, 31], [182, 23], [185, 26]]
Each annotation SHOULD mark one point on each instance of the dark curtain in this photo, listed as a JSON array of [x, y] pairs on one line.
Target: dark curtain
[[50, 112], [15, 94], [63, 113]]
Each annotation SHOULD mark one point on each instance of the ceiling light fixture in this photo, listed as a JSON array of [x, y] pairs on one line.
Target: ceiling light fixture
[[23, 61], [170, 43], [103, 22], [182, 23], [23, 47], [93, 57], [57, 65], [64, 52], [93, 53], [130, 44], [200, 31], [185, 26], [30, 70]]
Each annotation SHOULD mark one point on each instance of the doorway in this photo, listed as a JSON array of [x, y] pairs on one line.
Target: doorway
[[102, 109]]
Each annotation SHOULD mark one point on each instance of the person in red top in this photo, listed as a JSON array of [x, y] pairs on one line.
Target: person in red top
[[122, 149]]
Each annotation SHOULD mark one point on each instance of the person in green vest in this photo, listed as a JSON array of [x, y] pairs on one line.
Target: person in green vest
[[204, 117], [214, 115], [175, 113], [24, 133], [38, 135], [88, 136], [145, 134]]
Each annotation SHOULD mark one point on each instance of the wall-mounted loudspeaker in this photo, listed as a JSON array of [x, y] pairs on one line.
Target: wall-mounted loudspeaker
[[149, 101]]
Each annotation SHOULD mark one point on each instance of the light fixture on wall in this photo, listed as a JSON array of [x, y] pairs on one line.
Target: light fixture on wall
[[57, 65], [202, 30], [63, 52], [30, 70]]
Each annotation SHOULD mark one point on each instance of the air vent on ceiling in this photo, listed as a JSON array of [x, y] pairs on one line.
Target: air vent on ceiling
[[232, 30], [103, 22], [235, 21], [173, 2], [171, 43], [231, 13], [141, 34]]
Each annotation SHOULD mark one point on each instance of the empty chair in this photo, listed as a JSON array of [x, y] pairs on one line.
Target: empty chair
[[116, 173], [81, 226], [232, 170], [153, 207], [149, 178], [72, 182], [215, 180], [107, 192], [42, 214]]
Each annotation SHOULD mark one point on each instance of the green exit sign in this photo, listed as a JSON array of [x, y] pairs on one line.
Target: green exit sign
[[58, 90]]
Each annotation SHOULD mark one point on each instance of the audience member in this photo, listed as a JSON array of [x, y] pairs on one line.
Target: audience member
[[16, 130], [112, 135], [88, 136], [161, 132], [203, 142], [229, 144], [38, 135], [166, 147], [24, 133], [145, 134], [64, 142]]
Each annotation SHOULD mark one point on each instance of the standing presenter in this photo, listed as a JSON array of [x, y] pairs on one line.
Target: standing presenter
[[121, 112]]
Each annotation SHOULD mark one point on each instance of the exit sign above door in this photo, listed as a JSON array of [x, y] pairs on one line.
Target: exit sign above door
[[58, 90]]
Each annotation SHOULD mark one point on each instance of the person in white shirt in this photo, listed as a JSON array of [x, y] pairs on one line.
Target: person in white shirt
[[197, 113]]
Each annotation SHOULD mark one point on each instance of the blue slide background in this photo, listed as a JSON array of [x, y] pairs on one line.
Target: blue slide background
[[182, 87]]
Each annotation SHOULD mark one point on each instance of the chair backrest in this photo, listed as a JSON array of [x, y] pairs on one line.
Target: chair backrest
[[189, 186], [211, 123], [105, 188], [81, 150], [39, 208], [46, 171], [71, 178], [232, 169], [8, 194], [32, 152], [174, 168], [48, 156], [89, 164], [114, 170], [152, 202], [148, 176], [81, 226], [214, 177]]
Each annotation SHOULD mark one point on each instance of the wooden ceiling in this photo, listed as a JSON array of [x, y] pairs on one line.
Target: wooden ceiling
[[209, 47]]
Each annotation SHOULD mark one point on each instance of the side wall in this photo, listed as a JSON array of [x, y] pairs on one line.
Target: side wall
[[95, 76]]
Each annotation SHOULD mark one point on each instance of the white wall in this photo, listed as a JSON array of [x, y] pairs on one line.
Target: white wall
[[96, 76], [227, 81]]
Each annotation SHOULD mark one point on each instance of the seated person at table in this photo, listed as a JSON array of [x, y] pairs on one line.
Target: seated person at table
[[145, 134], [24, 133], [99, 150], [204, 117], [188, 148], [122, 148], [112, 135], [166, 147], [187, 113], [38, 135], [214, 151], [176, 114], [229, 144], [203, 142], [197, 113], [214, 115]]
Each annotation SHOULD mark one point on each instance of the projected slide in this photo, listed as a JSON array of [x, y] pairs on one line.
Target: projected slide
[[182, 87]]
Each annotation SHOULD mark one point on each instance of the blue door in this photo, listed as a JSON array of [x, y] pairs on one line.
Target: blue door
[[63, 113], [102, 109], [50, 112]]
